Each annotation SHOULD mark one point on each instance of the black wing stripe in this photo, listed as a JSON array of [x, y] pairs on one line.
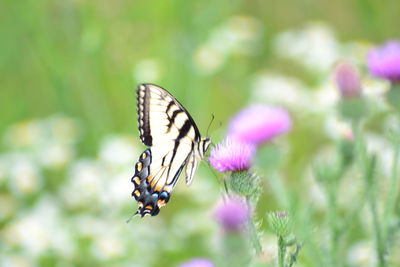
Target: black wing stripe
[[182, 133], [170, 105], [164, 94], [178, 173], [172, 118], [143, 116]]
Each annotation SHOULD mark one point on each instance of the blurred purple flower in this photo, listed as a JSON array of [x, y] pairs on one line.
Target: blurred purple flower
[[232, 155], [197, 263], [232, 214], [259, 124], [384, 61], [347, 80]]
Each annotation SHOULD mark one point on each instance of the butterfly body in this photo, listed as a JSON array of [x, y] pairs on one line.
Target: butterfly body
[[175, 142]]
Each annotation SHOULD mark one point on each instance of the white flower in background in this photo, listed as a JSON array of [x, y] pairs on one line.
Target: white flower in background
[[375, 87], [237, 35], [35, 133], [87, 225], [269, 253], [278, 89], [15, 260], [180, 228], [325, 98], [119, 151], [148, 234], [51, 141], [24, 174], [48, 209], [362, 254], [336, 128], [119, 190], [315, 46], [113, 238], [63, 129], [208, 59], [85, 184], [107, 246], [39, 230], [56, 155], [25, 134], [147, 70]]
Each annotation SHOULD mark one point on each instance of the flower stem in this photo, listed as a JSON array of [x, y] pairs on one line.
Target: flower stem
[[367, 165], [253, 232], [393, 191], [332, 219], [281, 251], [377, 229]]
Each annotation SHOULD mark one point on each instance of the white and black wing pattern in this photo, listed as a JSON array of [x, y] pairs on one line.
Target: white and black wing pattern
[[175, 141], [162, 118]]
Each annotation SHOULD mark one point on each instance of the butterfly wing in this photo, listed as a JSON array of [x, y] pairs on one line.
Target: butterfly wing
[[191, 166], [166, 126], [162, 118]]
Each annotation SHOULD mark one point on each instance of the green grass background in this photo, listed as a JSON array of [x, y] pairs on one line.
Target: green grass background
[[78, 58]]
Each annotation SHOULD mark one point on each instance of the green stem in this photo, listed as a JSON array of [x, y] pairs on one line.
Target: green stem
[[377, 229], [367, 165], [332, 220], [351, 219], [369, 173], [281, 251], [253, 231], [393, 191]]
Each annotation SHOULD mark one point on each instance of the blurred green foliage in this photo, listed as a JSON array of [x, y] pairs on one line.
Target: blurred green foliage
[[83, 59], [77, 57]]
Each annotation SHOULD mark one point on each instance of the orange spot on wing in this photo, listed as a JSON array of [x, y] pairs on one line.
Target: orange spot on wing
[[158, 188], [136, 180], [139, 166], [137, 193], [149, 178], [161, 203]]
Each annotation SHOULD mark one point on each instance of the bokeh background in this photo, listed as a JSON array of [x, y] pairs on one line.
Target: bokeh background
[[68, 130]]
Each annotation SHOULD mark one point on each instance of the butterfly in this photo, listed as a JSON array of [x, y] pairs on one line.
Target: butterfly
[[175, 142]]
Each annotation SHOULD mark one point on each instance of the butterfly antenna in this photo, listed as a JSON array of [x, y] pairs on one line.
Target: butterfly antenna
[[130, 218], [209, 125]]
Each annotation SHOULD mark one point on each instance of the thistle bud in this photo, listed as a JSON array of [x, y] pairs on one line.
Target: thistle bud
[[279, 223], [347, 80]]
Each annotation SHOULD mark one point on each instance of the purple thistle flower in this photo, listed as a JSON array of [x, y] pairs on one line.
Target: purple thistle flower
[[231, 155], [259, 124], [232, 214], [347, 80], [197, 263], [384, 61]]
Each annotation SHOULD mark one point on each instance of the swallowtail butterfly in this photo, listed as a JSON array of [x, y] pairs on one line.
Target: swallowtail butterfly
[[174, 142]]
